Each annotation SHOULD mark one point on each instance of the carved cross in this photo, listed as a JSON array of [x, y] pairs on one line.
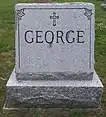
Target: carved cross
[[54, 17]]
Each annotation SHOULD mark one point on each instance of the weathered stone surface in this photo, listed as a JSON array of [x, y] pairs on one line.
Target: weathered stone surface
[[54, 76], [53, 93], [54, 38]]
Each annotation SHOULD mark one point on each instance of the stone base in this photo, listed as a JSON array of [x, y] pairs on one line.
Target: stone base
[[103, 6], [67, 93]]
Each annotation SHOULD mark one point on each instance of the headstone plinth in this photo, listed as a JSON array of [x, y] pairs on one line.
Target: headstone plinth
[[58, 94], [54, 57]]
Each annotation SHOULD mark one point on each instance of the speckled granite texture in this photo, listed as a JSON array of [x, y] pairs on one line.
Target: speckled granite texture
[[53, 93], [49, 48], [55, 76]]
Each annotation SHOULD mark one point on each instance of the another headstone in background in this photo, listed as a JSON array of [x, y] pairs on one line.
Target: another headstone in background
[[103, 5], [54, 57]]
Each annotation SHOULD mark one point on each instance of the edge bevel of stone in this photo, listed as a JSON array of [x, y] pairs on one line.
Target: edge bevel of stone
[[95, 82], [55, 3], [6, 109], [54, 76]]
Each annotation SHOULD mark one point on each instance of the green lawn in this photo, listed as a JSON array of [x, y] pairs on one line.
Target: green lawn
[[7, 55]]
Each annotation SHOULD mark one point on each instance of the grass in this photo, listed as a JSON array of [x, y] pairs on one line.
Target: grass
[[7, 56]]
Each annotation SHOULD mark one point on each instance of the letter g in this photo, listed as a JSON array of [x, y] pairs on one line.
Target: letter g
[[28, 34]]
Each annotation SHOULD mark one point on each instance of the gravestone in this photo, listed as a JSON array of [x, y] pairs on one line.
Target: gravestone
[[47, 46], [54, 57]]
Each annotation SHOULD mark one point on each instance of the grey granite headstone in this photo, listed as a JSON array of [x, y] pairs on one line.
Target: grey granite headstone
[[55, 48], [55, 41]]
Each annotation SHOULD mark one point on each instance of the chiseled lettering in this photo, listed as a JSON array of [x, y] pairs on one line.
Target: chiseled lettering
[[60, 36], [52, 36], [27, 39], [68, 37], [80, 34], [38, 37]]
